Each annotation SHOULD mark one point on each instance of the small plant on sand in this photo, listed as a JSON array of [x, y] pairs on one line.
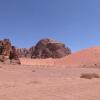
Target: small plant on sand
[[33, 71], [89, 75]]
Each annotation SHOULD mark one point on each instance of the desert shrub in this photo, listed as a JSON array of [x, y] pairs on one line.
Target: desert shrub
[[89, 75], [33, 71]]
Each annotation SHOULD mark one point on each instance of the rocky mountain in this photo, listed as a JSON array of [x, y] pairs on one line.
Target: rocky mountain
[[45, 48], [8, 52], [25, 52], [48, 48]]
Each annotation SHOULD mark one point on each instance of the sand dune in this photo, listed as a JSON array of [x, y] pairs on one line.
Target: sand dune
[[85, 57]]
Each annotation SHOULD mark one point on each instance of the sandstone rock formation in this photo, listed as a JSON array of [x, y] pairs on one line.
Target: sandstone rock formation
[[45, 48], [8, 52], [24, 52], [13, 56], [5, 47], [48, 48]]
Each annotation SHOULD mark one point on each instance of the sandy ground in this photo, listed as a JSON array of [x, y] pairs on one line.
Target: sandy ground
[[52, 79], [20, 82], [87, 57]]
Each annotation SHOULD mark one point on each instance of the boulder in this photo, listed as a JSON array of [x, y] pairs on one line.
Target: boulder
[[48, 48]]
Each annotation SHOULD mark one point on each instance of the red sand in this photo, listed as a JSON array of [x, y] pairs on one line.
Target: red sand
[[21, 82], [84, 57]]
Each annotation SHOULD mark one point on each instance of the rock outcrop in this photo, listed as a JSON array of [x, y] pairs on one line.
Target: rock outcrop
[[24, 52], [5, 47], [48, 48], [14, 56], [8, 52], [45, 48]]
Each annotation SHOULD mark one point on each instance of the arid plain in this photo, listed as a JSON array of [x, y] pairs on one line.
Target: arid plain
[[52, 79]]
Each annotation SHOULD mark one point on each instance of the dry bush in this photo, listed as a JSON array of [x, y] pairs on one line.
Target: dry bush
[[33, 71], [89, 75]]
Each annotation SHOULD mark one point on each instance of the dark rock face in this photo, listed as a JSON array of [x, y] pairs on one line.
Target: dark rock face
[[8, 52], [45, 48], [13, 56], [23, 52], [48, 48], [5, 47]]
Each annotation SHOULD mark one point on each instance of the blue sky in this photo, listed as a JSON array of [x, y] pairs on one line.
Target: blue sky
[[74, 22]]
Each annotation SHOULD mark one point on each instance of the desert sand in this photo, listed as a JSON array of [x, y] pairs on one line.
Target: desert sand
[[52, 79], [86, 57], [47, 83]]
